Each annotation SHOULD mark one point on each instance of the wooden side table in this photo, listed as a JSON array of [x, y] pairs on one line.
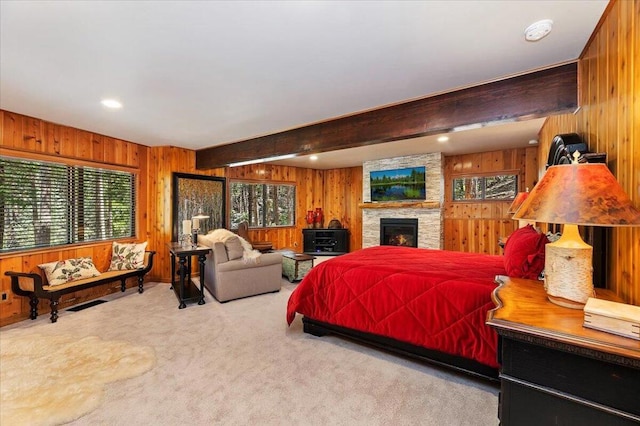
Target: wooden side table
[[295, 265], [187, 291], [555, 371]]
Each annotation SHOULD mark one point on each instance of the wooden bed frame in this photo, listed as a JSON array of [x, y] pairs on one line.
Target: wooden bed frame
[[468, 366]]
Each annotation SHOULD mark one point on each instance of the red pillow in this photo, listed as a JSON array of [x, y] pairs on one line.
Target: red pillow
[[524, 253]]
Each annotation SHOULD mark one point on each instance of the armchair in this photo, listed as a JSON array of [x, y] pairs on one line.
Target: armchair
[[229, 277]]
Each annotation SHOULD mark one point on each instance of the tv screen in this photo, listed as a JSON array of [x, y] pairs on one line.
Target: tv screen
[[398, 184]]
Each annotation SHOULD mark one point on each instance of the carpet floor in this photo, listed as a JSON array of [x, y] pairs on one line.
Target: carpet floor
[[238, 363]]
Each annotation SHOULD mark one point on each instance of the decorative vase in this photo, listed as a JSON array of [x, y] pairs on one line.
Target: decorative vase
[[310, 218], [318, 217]]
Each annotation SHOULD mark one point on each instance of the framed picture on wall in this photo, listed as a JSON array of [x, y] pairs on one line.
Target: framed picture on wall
[[197, 197]]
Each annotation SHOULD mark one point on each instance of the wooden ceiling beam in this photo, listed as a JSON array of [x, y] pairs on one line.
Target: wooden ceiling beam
[[533, 95]]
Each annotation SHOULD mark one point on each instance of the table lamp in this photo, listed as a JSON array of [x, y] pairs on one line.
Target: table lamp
[[196, 227], [515, 205], [575, 194]]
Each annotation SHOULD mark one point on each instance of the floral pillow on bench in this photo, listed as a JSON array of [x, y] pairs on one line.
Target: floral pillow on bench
[[127, 256], [64, 271]]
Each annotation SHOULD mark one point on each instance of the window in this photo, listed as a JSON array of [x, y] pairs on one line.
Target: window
[[262, 205], [45, 204], [496, 188]]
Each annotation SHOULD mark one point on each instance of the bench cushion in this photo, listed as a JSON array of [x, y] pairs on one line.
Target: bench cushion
[[70, 270]]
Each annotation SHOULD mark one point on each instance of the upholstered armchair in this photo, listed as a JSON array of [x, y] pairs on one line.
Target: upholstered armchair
[[232, 274]]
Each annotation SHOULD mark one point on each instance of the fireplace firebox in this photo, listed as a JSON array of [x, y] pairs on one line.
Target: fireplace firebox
[[399, 232]]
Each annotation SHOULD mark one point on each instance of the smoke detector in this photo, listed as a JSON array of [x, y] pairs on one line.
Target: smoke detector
[[538, 30]]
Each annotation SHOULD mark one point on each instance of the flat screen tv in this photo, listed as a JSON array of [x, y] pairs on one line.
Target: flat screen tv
[[398, 184]]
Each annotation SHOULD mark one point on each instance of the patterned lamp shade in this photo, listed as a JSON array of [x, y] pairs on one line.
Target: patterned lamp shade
[[579, 194], [517, 202]]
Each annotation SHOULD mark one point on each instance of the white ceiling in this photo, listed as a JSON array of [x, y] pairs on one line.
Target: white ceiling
[[196, 74]]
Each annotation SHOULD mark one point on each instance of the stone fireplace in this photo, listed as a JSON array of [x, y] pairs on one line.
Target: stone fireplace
[[399, 232], [428, 213]]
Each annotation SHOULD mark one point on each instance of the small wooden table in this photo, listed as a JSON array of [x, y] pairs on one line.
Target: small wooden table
[[295, 265], [554, 370], [187, 291]]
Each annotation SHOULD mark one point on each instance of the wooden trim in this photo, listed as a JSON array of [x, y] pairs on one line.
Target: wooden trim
[[457, 175], [263, 181], [401, 205], [536, 94], [34, 156]]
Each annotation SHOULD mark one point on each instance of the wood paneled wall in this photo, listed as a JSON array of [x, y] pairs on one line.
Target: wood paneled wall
[[478, 226], [162, 162], [33, 138], [337, 191], [609, 121]]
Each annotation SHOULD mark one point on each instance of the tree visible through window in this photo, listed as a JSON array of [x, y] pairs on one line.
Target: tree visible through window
[[262, 205], [498, 187], [46, 204]]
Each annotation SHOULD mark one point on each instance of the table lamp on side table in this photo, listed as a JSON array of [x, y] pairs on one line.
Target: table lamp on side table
[[575, 194], [196, 227]]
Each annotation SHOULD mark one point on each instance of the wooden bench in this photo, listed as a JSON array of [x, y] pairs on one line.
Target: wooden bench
[[34, 286]]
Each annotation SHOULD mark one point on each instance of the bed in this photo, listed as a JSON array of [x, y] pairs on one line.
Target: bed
[[429, 304]]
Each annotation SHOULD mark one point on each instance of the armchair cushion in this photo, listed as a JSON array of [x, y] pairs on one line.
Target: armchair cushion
[[234, 248]]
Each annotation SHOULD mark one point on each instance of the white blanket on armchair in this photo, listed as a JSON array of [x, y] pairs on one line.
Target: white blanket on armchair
[[224, 236]]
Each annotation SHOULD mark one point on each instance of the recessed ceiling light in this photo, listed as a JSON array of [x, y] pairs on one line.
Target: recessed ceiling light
[[533, 142], [111, 103], [313, 158], [538, 30], [443, 139]]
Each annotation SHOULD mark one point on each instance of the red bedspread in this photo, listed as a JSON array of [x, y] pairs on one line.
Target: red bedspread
[[432, 298]]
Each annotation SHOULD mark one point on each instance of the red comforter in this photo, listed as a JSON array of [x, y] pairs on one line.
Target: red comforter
[[432, 298]]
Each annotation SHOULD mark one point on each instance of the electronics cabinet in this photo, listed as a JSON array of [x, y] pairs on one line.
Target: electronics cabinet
[[327, 242]]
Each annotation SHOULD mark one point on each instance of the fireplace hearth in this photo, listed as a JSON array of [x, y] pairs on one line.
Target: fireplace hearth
[[399, 232]]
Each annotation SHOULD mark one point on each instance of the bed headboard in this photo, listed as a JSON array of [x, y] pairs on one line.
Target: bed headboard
[[564, 145]]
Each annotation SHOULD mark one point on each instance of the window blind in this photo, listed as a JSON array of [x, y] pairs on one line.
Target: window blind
[[46, 204]]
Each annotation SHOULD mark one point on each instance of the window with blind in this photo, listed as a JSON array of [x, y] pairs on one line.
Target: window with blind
[[45, 204]]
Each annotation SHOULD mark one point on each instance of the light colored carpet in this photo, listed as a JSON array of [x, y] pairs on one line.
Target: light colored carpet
[[238, 363], [47, 379]]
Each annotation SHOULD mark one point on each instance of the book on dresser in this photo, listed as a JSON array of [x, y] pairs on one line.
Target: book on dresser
[[612, 317]]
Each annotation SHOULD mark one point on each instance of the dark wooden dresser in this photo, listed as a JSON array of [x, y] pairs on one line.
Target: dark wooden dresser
[[554, 370]]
